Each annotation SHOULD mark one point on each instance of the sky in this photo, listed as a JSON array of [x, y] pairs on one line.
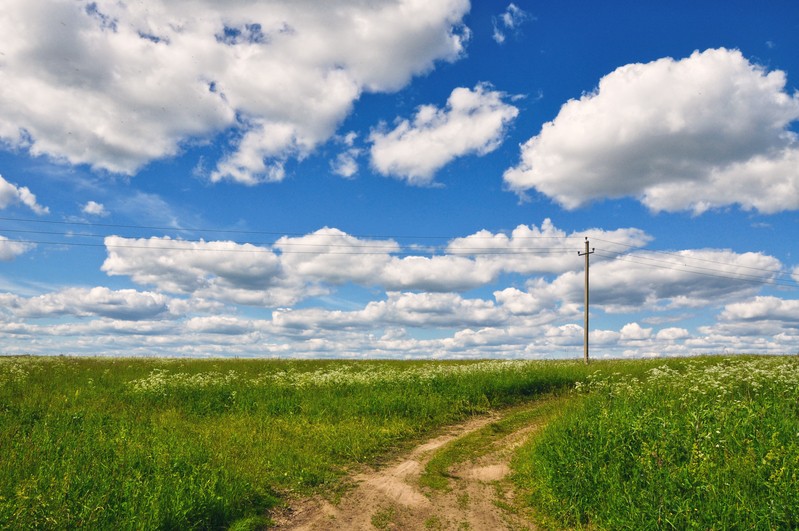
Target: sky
[[398, 178]]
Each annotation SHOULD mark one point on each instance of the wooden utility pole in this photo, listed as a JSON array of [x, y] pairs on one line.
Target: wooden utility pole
[[585, 325]]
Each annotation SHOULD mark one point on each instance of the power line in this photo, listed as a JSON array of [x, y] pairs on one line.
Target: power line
[[376, 248], [274, 233], [281, 244], [392, 251]]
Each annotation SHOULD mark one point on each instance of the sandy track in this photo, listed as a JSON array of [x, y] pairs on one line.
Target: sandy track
[[481, 496]]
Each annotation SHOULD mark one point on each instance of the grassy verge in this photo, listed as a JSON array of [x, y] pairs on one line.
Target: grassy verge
[[183, 444], [703, 444]]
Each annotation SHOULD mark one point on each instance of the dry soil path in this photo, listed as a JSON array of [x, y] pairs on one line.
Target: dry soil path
[[481, 496]]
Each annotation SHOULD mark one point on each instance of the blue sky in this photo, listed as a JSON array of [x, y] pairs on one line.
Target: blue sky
[[404, 178]]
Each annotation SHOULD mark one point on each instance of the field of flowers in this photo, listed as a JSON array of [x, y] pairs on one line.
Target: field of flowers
[[181, 444], [707, 444]]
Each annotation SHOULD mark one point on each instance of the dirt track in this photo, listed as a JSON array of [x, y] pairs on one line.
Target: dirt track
[[480, 498]]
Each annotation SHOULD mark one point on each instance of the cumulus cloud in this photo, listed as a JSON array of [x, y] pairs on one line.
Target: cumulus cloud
[[334, 257], [473, 121], [702, 132], [221, 270], [9, 249], [346, 163], [421, 293], [11, 194], [508, 21], [427, 310], [763, 308], [116, 85], [471, 327], [126, 304], [634, 332], [544, 249], [331, 255], [94, 208], [565, 335], [672, 334], [644, 280], [518, 302], [219, 324], [298, 267]]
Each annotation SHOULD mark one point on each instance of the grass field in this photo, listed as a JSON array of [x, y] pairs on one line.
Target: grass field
[[706, 444], [124, 443], [182, 444]]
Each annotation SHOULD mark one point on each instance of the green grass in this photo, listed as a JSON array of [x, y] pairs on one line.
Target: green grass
[[698, 444], [194, 444]]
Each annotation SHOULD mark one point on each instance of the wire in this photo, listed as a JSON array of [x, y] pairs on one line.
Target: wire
[[286, 244], [271, 233], [365, 248], [481, 252]]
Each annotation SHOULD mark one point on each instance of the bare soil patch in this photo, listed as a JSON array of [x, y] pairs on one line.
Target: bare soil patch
[[481, 496]]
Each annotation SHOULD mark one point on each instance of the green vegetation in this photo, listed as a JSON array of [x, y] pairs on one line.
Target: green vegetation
[[181, 444], [708, 443], [133, 443]]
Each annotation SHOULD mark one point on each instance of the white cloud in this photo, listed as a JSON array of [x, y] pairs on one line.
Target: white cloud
[[763, 308], [565, 335], [508, 21], [672, 334], [346, 163], [656, 281], [10, 249], [126, 304], [692, 134], [545, 249], [221, 270], [437, 273], [125, 322], [219, 324], [117, 85], [330, 255], [474, 121], [11, 194], [634, 332], [513, 322], [426, 310], [436, 309], [294, 269], [94, 208], [518, 302]]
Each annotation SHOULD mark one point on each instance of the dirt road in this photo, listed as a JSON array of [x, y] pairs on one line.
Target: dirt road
[[480, 496]]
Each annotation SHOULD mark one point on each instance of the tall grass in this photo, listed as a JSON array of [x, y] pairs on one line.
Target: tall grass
[[177, 444], [707, 444]]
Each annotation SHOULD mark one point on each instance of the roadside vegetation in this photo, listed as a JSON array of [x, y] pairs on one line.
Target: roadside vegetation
[[180, 444], [707, 443]]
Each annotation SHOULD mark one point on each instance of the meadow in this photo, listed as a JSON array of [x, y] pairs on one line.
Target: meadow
[[703, 444], [205, 444], [181, 444]]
